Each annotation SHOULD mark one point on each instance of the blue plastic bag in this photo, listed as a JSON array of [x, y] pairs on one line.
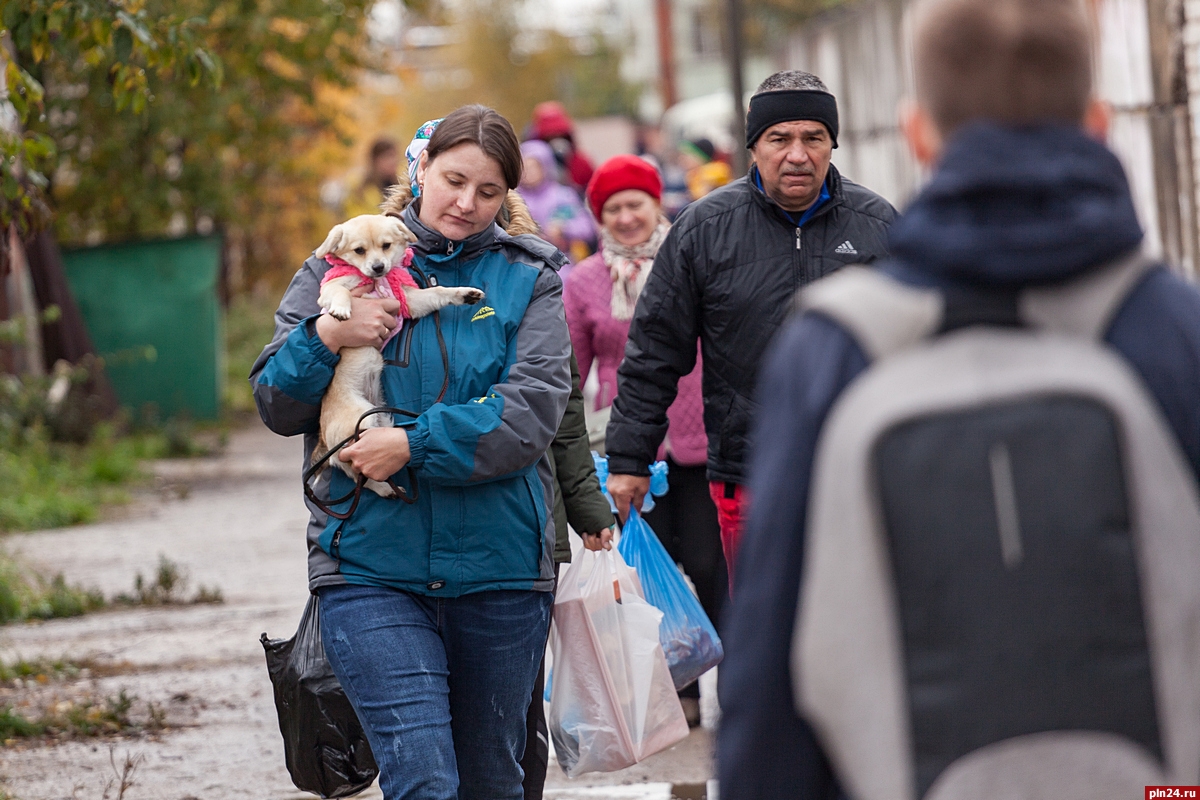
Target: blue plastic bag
[[687, 635]]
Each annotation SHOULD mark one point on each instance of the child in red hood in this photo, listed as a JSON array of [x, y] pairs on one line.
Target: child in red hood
[[553, 125]]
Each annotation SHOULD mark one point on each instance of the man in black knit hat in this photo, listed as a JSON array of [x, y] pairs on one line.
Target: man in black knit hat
[[726, 275]]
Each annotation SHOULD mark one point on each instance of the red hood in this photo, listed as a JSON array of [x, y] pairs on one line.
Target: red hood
[[550, 120]]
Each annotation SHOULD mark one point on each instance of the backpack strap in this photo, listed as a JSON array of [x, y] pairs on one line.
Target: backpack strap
[[1085, 307], [883, 315], [886, 316]]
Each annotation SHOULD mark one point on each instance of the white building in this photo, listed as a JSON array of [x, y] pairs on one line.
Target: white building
[[1147, 66], [698, 63]]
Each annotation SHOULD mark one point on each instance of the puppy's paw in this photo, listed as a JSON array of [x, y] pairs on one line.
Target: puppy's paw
[[470, 296], [339, 310], [381, 488]]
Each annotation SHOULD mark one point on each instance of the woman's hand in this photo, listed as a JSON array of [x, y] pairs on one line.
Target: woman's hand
[[379, 453], [599, 541], [369, 325]]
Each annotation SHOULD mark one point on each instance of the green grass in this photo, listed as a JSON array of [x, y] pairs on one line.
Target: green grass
[[14, 726], [40, 670], [249, 324], [56, 484], [26, 595], [51, 484], [84, 715], [168, 588], [82, 718]]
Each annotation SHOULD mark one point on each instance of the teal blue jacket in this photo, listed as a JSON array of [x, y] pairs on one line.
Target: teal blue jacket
[[484, 515]]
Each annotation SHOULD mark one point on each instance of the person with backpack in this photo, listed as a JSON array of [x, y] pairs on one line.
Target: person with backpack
[[725, 275], [965, 571]]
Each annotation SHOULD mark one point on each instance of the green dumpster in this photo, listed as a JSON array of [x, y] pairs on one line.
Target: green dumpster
[[153, 314]]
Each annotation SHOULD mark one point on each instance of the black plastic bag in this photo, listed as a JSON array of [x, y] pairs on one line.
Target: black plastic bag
[[326, 751]]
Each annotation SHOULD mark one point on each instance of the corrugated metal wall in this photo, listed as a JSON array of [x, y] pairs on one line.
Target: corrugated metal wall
[[863, 53], [863, 56]]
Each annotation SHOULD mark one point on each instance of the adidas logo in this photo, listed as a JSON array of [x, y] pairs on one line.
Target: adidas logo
[[846, 249]]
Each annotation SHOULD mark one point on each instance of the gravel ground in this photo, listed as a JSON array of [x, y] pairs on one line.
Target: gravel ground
[[234, 522]]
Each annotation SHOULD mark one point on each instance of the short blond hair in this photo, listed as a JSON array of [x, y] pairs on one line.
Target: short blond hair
[[1009, 61]]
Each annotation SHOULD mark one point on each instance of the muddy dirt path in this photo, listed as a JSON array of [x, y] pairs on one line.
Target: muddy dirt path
[[235, 522]]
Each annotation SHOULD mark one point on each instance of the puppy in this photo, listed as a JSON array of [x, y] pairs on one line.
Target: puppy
[[370, 249]]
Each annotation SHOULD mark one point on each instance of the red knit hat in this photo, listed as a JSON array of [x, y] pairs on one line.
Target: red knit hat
[[550, 121], [618, 174]]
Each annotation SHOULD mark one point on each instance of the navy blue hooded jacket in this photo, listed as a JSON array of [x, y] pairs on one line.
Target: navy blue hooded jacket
[[1005, 208]]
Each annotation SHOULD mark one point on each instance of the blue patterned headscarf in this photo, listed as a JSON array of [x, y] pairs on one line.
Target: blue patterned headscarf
[[415, 148]]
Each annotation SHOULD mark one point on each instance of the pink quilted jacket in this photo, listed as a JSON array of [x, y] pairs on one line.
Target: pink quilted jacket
[[587, 294]]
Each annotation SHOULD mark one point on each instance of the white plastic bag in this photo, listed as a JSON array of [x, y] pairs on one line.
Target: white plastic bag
[[613, 702]]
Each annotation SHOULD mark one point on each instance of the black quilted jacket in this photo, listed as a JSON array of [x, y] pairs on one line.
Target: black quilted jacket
[[726, 274]]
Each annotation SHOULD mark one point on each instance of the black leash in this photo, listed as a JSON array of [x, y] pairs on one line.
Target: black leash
[[356, 493]]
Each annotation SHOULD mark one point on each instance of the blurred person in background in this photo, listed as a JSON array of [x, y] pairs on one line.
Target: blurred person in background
[[556, 208], [383, 169], [649, 145], [553, 125], [1023, 193], [600, 300], [726, 274], [703, 169], [675, 191], [435, 625], [648, 141]]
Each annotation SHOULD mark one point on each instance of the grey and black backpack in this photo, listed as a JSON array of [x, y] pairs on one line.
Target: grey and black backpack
[[1001, 588]]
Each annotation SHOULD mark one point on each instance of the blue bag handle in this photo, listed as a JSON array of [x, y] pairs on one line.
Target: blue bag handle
[[658, 481]]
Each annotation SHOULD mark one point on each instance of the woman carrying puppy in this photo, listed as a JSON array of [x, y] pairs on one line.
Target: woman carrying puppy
[[434, 614], [600, 298]]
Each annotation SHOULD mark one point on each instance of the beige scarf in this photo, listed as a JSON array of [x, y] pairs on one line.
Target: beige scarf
[[630, 267]]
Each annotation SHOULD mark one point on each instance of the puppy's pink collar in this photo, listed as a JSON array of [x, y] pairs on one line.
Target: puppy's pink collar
[[390, 285]]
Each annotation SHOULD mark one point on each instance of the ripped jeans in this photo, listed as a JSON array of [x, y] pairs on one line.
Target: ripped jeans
[[441, 685]]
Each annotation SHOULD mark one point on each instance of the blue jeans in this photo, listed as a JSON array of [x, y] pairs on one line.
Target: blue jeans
[[441, 685]]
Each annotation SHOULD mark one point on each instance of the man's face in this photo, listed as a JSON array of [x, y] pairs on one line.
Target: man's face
[[793, 160]]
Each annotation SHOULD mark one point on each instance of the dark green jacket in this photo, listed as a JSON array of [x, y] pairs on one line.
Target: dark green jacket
[[577, 496]]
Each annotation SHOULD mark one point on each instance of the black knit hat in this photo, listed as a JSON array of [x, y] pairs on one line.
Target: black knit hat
[[790, 105]]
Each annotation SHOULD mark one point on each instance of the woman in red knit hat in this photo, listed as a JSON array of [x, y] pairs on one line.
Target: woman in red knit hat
[[600, 296]]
